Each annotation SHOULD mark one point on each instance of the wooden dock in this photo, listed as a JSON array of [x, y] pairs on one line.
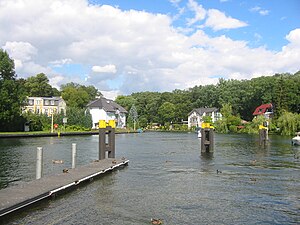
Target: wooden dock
[[18, 197]]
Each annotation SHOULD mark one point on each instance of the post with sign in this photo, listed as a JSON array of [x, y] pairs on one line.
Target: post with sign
[[106, 132], [65, 120], [207, 137]]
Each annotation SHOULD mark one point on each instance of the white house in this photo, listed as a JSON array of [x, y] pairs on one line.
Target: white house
[[196, 115], [45, 105], [106, 109]]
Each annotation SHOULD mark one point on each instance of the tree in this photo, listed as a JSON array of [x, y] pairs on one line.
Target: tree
[[288, 123], [79, 117], [166, 112], [38, 86], [77, 95], [11, 97], [133, 116]]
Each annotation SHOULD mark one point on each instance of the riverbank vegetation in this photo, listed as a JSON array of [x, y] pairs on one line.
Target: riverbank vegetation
[[237, 99]]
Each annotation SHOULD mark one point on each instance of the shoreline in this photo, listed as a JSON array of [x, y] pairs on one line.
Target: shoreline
[[55, 134]]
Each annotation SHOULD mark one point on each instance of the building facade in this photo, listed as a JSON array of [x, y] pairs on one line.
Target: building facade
[[106, 109], [45, 105], [195, 117]]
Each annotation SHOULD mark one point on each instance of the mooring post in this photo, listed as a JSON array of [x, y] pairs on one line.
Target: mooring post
[[39, 162], [111, 143], [73, 155], [207, 137], [263, 134], [109, 130]]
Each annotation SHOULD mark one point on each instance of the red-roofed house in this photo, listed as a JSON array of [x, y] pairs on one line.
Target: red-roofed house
[[265, 109]]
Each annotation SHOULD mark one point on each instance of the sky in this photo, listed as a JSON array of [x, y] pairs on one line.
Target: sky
[[122, 47]]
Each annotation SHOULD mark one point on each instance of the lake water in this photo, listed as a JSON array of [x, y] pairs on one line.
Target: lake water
[[167, 178]]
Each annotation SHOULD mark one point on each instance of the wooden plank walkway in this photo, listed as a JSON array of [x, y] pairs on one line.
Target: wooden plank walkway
[[23, 195]]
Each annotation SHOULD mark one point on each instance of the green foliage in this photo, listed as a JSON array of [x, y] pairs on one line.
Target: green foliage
[[38, 86], [78, 96], [11, 96], [79, 117], [207, 119], [288, 123], [125, 101], [37, 122], [7, 67], [166, 112]]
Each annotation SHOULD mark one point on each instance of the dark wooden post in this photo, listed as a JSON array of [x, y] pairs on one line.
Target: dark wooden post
[[109, 132], [207, 139], [263, 136], [102, 143]]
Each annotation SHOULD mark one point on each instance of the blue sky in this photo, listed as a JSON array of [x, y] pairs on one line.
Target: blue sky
[[122, 47]]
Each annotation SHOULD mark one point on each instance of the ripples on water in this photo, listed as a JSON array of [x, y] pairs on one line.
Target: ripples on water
[[167, 178]]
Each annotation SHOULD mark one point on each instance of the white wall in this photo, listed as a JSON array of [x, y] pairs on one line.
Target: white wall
[[100, 114]]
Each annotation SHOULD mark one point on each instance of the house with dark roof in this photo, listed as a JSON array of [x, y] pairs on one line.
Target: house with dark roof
[[195, 117], [106, 109], [264, 109]]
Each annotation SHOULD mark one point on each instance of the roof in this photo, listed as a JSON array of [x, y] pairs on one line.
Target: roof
[[262, 109], [107, 105], [201, 111]]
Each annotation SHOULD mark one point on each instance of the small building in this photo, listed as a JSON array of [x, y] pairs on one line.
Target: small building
[[106, 109], [195, 117], [45, 105], [265, 110]]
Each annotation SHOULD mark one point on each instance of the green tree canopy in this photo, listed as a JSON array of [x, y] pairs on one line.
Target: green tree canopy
[[38, 86], [11, 96], [166, 112], [77, 95]]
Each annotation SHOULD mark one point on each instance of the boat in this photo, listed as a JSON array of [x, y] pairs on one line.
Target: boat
[[296, 140]]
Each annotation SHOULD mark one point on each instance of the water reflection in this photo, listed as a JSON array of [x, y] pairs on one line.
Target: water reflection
[[169, 178]]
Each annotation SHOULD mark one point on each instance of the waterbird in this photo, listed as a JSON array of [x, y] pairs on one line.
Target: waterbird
[[114, 162], [219, 171], [156, 221], [65, 170], [57, 161]]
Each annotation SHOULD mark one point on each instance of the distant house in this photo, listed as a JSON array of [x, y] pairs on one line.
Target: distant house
[[265, 110], [106, 109], [195, 117], [45, 105]]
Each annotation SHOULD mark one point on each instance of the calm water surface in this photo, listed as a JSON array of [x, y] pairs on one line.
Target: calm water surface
[[167, 178]]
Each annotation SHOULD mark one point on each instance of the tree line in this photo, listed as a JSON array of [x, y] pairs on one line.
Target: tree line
[[237, 100]]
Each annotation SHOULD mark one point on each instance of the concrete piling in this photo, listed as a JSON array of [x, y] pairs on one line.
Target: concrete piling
[[39, 162], [73, 155]]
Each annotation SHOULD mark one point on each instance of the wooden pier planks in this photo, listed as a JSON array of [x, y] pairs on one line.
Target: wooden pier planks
[[20, 196]]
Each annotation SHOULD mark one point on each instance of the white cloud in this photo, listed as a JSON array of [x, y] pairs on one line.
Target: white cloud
[[105, 69], [131, 50], [217, 20], [20, 51], [199, 11], [61, 62], [263, 12]]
